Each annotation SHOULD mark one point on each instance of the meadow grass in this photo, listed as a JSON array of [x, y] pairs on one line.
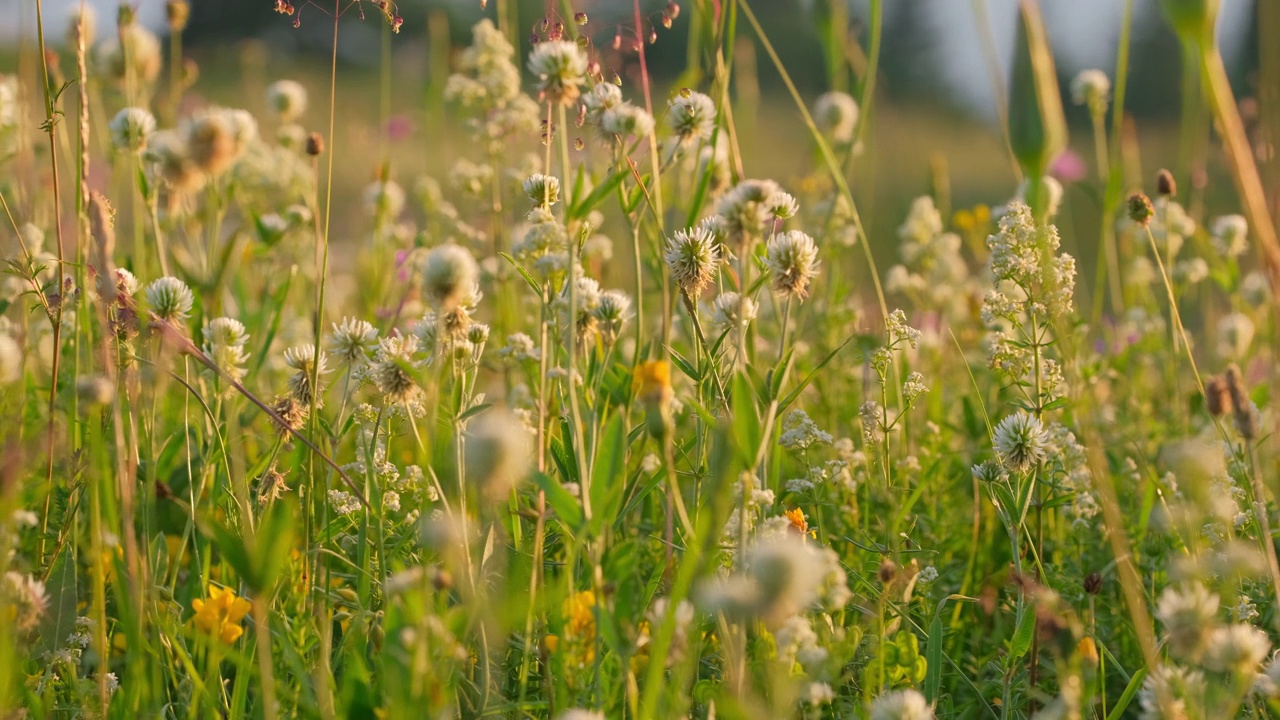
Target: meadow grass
[[595, 421]]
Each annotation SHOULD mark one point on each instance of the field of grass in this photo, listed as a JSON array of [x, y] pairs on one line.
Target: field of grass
[[528, 394]]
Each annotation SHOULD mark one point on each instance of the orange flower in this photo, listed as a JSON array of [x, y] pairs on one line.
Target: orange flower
[[799, 523], [221, 614]]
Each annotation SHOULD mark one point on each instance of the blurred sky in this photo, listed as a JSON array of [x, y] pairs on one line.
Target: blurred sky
[[1083, 33]]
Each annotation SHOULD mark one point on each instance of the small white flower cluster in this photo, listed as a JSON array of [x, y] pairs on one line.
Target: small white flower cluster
[[224, 342], [800, 432], [933, 272], [613, 117]]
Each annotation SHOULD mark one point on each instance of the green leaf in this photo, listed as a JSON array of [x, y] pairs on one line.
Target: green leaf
[[608, 476], [746, 422], [1023, 635], [566, 506], [597, 194], [1130, 691]]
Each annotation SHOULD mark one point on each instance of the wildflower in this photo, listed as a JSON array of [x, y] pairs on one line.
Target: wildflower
[[391, 501], [543, 190], [498, 453], [287, 99], [1235, 335], [520, 348], [580, 714], [307, 362], [24, 600], [171, 158], [560, 67], [626, 120], [1188, 616], [1230, 235], [691, 117], [130, 129], [1166, 690], [132, 54], [1021, 441], [579, 628], [793, 261], [217, 137], [95, 390], [783, 575], [1140, 209], [1238, 649], [1091, 88], [384, 199], [224, 342], [799, 524], [800, 432], [692, 256], [449, 275], [10, 360], [611, 313], [1255, 289], [390, 370], [652, 387], [343, 502], [836, 114], [901, 705], [732, 311], [169, 299], [353, 340], [747, 209], [221, 614]]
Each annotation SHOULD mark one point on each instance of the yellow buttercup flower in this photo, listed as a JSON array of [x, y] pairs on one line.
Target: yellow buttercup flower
[[221, 614], [652, 386]]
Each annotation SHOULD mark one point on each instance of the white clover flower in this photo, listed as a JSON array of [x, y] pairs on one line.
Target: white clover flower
[[287, 99], [627, 120], [25, 599], [836, 114], [1091, 88], [170, 299], [693, 257], [306, 362], [1021, 441], [560, 67], [449, 274], [748, 209], [384, 200], [390, 369], [1188, 614], [133, 53], [1255, 289], [612, 312], [499, 451], [691, 117], [901, 705], [542, 189], [391, 501], [130, 129], [520, 348], [731, 310], [1191, 271], [1237, 648], [353, 340], [10, 360], [793, 261], [1231, 235], [1235, 335], [224, 342]]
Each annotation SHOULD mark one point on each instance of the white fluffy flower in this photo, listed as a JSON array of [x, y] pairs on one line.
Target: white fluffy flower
[[901, 705], [130, 129], [287, 99], [560, 67], [836, 114], [170, 299], [793, 261], [1021, 441]]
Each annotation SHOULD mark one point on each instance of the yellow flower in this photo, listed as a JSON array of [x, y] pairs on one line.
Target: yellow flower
[[221, 614], [963, 220], [580, 616], [652, 386]]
